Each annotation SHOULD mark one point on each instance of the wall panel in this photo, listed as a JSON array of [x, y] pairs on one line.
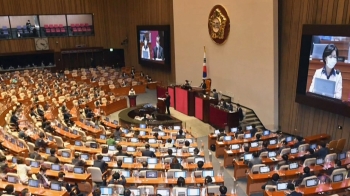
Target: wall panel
[[293, 14]]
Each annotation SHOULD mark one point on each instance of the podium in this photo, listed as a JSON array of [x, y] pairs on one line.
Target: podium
[[132, 100], [161, 105]]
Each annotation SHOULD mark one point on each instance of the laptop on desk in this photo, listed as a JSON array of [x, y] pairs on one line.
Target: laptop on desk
[[324, 87]]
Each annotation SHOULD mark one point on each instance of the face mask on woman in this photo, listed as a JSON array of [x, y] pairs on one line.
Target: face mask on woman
[[331, 61]]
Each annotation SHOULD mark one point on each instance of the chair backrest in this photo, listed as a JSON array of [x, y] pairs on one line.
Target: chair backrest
[[182, 189], [285, 151], [96, 174], [284, 167], [170, 173], [339, 171], [47, 164], [198, 174], [303, 147], [214, 189], [168, 160], [120, 158], [331, 157], [308, 178], [309, 161], [118, 187], [270, 187], [141, 159], [59, 141], [146, 189], [340, 145], [256, 168], [190, 159], [69, 167], [263, 154], [142, 173], [332, 145]]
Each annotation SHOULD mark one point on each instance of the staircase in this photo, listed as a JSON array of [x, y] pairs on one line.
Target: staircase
[[251, 118]]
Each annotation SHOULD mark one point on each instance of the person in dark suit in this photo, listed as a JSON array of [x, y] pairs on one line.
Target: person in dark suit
[[215, 94], [35, 153], [144, 166], [40, 143], [310, 153], [167, 102], [273, 181], [196, 153], [76, 159], [39, 111], [203, 85], [253, 131], [180, 135], [100, 163], [240, 112], [116, 179], [284, 145], [292, 192], [93, 63], [299, 141], [147, 152], [200, 165], [52, 158], [175, 164], [120, 152], [284, 161], [264, 146], [306, 174], [119, 164], [170, 154], [323, 151], [14, 119], [158, 53], [41, 176], [223, 190]]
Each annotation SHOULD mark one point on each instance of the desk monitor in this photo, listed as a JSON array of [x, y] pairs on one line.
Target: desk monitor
[[199, 159], [151, 174], [189, 140], [152, 141], [319, 161], [112, 148], [193, 191], [228, 138], [249, 127], [66, 129], [125, 173], [55, 167], [65, 154], [294, 151], [289, 139], [254, 144], [273, 142], [179, 174], [58, 125], [77, 143], [264, 169], [206, 173], [311, 182], [313, 146], [102, 137], [34, 164], [106, 191], [338, 178], [47, 150], [233, 129], [324, 87], [235, 146], [152, 160], [11, 179], [128, 160], [50, 138], [173, 149], [248, 157], [217, 131], [33, 183], [247, 136], [142, 133], [342, 156], [282, 186], [134, 140], [135, 191], [177, 127], [115, 122], [161, 133], [125, 131], [56, 186], [20, 144], [93, 145], [107, 119], [266, 132], [106, 159], [84, 156], [78, 169], [75, 132], [152, 149], [130, 149], [293, 166], [272, 154], [181, 191], [14, 159], [191, 149], [163, 191], [142, 126], [13, 141]]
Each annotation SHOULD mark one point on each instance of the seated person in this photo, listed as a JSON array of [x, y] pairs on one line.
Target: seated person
[[144, 166], [147, 152], [120, 152], [117, 134], [253, 130], [310, 153], [9, 189], [291, 190], [200, 165], [337, 165], [203, 85], [41, 177], [187, 85], [170, 154], [196, 153], [52, 158], [187, 143], [273, 181], [215, 94], [221, 135], [298, 141], [258, 136], [35, 153], [283, 146], [180, 135], [76, 159], [223, 190], [180, 182], [322, 151], [175, 164], [306, 174], [256, 160], [4, 168], [264, 146], [100, 163], [223, 104], [168, 143], [40, 143], [14, 119], [284, 161], [110, 141], [119, 164], [116, 179]]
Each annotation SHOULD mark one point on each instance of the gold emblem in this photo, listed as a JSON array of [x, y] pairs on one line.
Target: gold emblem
[[218, 24]]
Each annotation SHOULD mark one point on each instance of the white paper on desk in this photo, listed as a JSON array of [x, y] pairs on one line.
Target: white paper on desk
[[220, 142], [229, 151], [159, 98]]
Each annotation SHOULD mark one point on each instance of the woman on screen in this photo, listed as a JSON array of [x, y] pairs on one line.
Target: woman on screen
[[328, 72], [145, 54]]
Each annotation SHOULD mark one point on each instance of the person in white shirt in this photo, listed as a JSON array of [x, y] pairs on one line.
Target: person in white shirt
[[132, 92], [168, 143], [328, 72], [23, 171]]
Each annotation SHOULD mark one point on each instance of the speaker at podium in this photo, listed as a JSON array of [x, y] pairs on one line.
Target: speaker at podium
[[161, 105]]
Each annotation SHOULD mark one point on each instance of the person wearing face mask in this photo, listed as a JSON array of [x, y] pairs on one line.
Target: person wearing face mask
[[328, 72], [145, 54], [132, 92], [158, 51]]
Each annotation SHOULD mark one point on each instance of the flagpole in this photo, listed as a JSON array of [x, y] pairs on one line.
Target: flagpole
[[204, 65]]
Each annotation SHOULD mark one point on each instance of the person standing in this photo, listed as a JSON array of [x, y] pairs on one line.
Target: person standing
[[167, 102]]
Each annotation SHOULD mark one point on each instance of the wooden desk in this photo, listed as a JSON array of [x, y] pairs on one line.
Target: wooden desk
[[15, 149], [202, 107], [92, 130], [67, 134], [188, 180], [33, 190], [109, 124], [85, 149], [317, 138], [220, 118], [115, 106]]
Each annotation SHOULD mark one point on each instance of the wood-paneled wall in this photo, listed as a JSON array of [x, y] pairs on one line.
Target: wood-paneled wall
[[149, 12], [292, 15], [113, 20]]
